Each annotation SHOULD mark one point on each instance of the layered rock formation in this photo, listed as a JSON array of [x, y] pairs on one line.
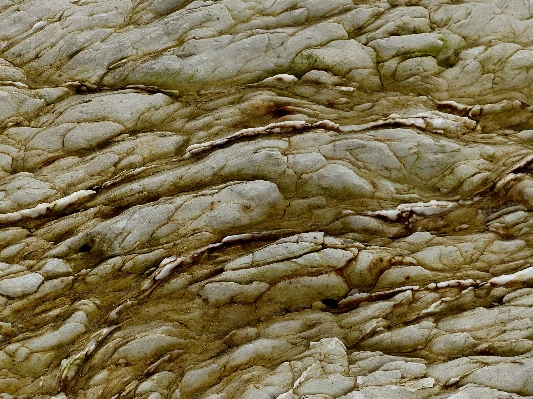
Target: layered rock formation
[[266, 199]]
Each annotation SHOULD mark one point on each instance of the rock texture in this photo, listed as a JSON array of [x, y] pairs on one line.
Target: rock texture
[[266, 199]]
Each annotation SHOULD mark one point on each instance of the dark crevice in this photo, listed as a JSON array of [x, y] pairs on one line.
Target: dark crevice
[[330, 303], [85, 248]]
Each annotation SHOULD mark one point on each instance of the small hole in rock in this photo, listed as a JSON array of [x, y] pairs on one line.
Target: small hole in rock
[[330, 303], [85, 248]]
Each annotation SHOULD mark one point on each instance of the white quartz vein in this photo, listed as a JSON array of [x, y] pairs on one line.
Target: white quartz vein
[[47, 207]]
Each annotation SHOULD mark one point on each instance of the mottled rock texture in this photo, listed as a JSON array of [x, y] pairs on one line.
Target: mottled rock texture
[[291, 199]]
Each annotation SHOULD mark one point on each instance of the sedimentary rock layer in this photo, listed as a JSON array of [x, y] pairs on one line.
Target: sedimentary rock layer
[[266, 199]]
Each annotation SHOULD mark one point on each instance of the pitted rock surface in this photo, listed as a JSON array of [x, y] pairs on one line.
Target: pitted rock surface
[[278, 199]]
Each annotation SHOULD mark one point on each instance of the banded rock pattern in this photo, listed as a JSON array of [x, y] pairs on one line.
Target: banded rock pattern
[[266, 199]]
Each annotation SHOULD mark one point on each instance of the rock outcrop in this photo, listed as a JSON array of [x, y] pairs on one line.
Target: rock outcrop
[[266, 199]]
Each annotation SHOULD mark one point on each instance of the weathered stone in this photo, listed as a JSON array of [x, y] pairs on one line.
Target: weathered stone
[[277, 199], [21, 285]]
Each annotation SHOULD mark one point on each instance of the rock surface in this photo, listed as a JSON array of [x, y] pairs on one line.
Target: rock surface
[[266, 199]]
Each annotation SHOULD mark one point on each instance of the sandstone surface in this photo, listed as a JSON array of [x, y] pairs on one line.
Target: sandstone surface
[[282, 199]]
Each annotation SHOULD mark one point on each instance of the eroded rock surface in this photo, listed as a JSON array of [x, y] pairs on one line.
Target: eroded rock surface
[[266, 199]]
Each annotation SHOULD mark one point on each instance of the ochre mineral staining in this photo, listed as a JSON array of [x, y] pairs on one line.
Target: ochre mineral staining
[[266, 199]]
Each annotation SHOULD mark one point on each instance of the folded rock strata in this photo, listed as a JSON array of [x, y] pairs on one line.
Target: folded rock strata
[[258, 200]]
